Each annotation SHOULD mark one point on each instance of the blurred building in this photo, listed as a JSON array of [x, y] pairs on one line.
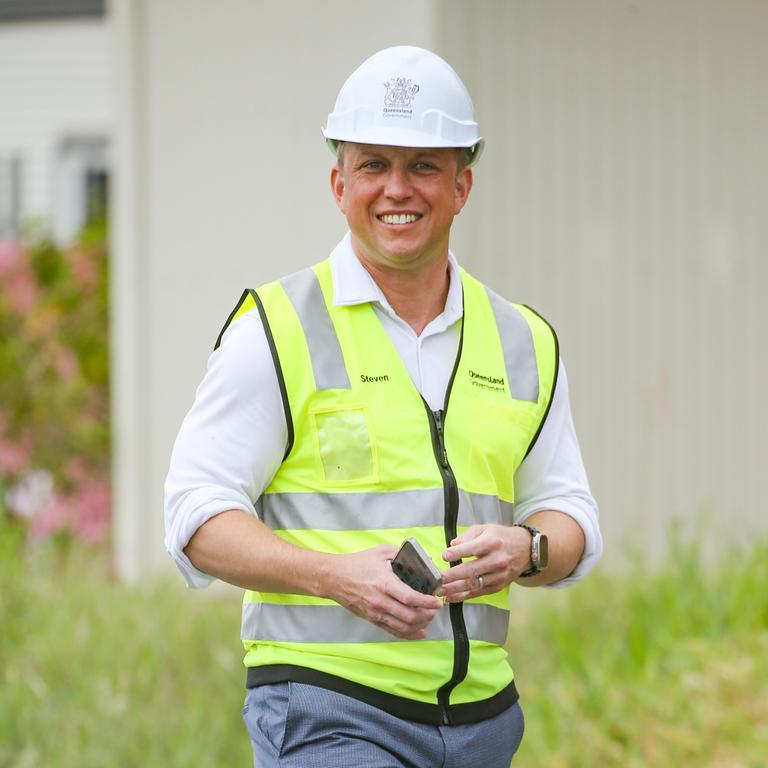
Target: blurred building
[[622, 194], [55, 114]]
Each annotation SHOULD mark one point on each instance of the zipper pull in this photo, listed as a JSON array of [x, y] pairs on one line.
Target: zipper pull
[[440, 437]]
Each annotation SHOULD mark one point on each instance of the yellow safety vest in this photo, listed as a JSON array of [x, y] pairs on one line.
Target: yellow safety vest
[[368, 463]]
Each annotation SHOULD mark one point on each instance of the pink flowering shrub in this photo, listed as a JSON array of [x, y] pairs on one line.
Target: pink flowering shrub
[[54, 386]]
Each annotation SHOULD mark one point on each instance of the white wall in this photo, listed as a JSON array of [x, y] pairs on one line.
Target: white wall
[[55, 84]]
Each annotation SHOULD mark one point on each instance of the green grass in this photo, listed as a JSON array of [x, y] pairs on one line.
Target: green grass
[[668, 668], [643, 669]]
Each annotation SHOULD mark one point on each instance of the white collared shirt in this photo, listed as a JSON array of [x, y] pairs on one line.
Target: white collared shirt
[[232, 441]]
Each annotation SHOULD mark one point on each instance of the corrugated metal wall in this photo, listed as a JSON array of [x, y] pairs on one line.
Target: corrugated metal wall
[[623, 192]]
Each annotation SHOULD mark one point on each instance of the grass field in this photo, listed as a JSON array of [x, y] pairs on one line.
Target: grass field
[[661, 669]]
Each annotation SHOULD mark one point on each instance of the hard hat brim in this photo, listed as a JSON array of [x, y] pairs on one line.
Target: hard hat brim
[[403, 138]]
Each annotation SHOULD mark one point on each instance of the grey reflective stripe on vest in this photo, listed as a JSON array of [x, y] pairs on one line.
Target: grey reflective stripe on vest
[[303, 289], [518, 347], [395, 509], [333, 624]]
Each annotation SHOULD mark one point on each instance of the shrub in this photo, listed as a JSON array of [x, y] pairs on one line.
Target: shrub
[[54, 386]]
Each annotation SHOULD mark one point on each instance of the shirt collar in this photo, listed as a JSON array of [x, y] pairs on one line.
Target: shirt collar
[[353, 284]]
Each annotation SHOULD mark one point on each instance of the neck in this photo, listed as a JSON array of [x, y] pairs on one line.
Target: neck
[[417, 296]]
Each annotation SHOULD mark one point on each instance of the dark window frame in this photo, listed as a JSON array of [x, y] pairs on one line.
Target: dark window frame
[[44, 10]]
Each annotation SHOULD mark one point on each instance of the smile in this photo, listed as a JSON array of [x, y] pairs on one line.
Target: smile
[[399, 218]]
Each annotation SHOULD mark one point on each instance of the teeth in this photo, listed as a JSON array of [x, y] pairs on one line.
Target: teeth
[[402, 218]]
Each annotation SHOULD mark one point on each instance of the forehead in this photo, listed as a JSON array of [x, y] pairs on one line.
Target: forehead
[[384, 150]]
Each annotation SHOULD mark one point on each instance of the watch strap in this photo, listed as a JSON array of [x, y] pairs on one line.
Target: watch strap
[[534, 569]]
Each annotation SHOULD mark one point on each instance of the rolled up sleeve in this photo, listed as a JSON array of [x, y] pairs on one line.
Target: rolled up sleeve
[[553, 477], [230, 443]]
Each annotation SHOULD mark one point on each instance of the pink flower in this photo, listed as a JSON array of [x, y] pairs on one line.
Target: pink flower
[[10, 255], [85, 512], [76, 470], [14, 456], [91, 511], [22, 289], [53, 517]]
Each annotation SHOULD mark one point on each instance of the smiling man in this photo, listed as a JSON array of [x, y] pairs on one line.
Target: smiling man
[[381, 395]]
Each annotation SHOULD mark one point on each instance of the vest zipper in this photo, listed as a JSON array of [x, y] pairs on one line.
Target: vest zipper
[[451, 505]]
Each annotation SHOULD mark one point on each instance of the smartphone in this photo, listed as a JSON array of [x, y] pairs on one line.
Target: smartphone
[[415, 567]]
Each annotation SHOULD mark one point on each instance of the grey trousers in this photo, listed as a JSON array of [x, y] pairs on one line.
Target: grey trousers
[[302, 726]]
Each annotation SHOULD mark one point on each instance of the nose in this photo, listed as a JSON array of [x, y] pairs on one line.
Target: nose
[[398, 185]]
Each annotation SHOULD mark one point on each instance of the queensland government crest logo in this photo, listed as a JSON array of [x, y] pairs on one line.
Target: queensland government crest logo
[[398, 98]]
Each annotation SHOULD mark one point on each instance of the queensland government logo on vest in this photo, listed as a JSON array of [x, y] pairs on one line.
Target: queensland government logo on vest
[[398, 98], [496, 383]]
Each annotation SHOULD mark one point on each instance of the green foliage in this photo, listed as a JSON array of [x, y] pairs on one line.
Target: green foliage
[[96, 674], [54, 384], [652, 668], [636, 670]]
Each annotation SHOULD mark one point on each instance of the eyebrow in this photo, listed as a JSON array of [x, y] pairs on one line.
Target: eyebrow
[[426, 152]]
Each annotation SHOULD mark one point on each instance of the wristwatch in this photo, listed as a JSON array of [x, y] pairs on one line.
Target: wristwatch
[[539, 550]]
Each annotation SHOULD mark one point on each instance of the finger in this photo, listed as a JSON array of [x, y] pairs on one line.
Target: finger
[[411, 598], [464, 589], [471, 533], [411, 620], [474, 547], [468, 584], [460, 597], [404, 628], [467, 570], [421, 634]]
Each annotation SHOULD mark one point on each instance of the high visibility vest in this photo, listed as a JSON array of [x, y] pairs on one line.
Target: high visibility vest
[[368, 463]]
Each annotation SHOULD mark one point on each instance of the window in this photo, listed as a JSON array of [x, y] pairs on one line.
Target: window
[[31, 10], [81, 181]]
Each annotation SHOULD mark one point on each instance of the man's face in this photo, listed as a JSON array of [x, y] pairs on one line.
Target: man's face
[[400, 202]]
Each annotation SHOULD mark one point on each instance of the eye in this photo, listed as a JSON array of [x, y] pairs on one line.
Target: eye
[[372, 165], [423, 165]]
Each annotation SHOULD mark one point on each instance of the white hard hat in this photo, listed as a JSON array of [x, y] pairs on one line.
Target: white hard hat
[[404, 97]]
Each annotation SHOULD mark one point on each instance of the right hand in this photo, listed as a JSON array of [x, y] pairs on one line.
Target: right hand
[[366, 585]]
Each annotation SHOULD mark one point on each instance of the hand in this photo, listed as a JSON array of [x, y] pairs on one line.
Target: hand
[[367, 586], [501, 554]]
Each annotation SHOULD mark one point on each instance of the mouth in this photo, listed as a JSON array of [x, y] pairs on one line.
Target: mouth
[[398, 218]]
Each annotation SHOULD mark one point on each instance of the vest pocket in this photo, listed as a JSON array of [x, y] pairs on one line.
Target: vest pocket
[[501, 432], [344, 445]]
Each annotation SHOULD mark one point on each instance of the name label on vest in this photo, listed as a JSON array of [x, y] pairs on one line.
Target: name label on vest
[[371, 379], [496, 383]]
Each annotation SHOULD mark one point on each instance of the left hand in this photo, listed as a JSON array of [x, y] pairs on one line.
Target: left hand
[[501, 554]]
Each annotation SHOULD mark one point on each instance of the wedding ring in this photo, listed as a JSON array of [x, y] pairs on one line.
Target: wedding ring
[[480, 581]]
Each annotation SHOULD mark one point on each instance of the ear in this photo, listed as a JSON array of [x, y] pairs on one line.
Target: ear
[[462, 188], [337, 187]]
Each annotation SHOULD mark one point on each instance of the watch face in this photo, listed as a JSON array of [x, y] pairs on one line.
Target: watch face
[[543, 552]]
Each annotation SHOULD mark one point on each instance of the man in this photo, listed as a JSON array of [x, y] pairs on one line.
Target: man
[[380, 395]]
